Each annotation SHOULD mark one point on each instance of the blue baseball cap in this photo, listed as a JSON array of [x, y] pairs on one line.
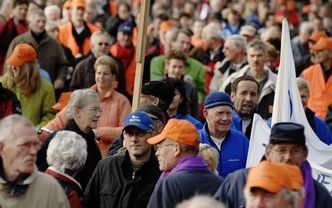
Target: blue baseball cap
[[140, 120], [218, 99], [126, 27]]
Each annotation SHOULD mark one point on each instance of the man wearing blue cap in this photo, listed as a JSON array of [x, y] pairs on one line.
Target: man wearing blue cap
[[127, 180], [232, 145]]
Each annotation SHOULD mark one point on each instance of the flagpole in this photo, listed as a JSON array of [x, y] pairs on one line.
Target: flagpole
[[140, 51]]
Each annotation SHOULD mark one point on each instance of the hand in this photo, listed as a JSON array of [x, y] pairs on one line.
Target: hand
[[59, 84]]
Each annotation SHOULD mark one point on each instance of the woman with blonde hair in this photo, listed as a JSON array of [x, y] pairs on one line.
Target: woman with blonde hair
[[210, 156], [34, 92]]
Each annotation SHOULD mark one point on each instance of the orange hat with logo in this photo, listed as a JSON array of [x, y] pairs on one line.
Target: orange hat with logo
[[22, 54], [77, 3], [273, 177], [181, 131], [63, 101], [316, 35], [323, 44]]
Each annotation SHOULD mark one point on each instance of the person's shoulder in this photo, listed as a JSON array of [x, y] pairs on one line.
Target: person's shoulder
[[323, 196], [46, 180], [237, 134], [45, 84], [311, 69], [159, 58]]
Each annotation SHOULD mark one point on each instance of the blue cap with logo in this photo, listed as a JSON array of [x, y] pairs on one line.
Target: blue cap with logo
[[217, 99], [126, 27], [140, 120]]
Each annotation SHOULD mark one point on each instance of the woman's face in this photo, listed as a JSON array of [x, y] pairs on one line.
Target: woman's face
[[104, 77], [86, 117]]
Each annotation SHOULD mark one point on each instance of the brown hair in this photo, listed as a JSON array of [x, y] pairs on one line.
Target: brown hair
[[107, 61], [177, 54]]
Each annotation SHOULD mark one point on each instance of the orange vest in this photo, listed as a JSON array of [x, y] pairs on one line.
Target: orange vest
[[66, 37], [320, 91]]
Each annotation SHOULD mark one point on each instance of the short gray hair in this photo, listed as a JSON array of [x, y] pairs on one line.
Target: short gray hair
[[306, 27], [67, 151], [97, 34], [8, 124], [302, 83], [50, 8], [200, 201], [239, 41], [35, 13], [78, 99]]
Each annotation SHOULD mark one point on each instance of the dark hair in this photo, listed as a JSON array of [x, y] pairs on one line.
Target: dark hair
[[179, 86], [177, 54], [189, 149], [243, 78], [20, 2], [257, 44]]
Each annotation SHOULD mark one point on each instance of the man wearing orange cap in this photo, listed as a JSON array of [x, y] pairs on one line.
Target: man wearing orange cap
[[184, 173], [76, 33], [287, 146], [319, 77], [270, 185]]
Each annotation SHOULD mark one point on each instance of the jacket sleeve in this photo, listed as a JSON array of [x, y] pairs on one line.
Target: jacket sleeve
[[76, 80], [91, 194], [59, 122], [165, 195], [47, 113]]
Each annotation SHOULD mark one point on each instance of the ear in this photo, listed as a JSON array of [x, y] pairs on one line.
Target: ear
[[155, 101], [205, 113], [76, 112], [268, 152], [232, 96], [177, 151]]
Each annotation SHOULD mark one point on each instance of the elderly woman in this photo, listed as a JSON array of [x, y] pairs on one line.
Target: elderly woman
[[34, 92], [83, 112], [114, 106], [66, 155]]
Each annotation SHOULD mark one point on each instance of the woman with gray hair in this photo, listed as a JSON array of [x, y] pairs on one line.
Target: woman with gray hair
[[83, 111], [66, 155]]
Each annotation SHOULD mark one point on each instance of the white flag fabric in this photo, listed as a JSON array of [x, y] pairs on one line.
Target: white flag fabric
[[288, 107]]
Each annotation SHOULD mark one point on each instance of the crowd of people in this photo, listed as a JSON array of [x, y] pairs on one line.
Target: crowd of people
[[68, 137]]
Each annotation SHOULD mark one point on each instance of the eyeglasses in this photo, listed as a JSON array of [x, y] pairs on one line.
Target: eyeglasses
[[158, 146], [94, 110], [105, 44], [295, 152]]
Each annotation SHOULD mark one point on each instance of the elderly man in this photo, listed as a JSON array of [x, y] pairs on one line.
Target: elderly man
[[217, 133], [319, 77], [286, 145], [184, 173], [127, 180], [271, 185], [54, 63], [14, 26], [75, 34], [245, 91], [21, 184], [256, 56], [84, 73], [235, 58]]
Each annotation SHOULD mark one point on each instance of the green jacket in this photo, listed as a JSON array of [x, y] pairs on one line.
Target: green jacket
[[193, 68], [37, 107]]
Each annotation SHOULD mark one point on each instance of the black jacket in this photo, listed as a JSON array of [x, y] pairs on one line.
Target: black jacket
[[115, 184], [93, 157]]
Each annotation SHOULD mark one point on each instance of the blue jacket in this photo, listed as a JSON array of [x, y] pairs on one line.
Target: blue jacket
[[189, 118], [233, 152]]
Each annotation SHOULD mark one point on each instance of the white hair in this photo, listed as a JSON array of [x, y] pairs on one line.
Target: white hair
[[306, 27], [78, 99], [67, 151], [212, 31], [302, 83], [52, 8], [97, 34], [239, 41], [8, 124], [200, 201]]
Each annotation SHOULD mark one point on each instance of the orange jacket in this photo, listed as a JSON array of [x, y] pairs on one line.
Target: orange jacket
[[320, 91], [129, 71], [66, 37], [114, 106]]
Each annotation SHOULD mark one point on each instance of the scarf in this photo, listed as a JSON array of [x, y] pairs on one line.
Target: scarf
[[310, 198], [186, 163]]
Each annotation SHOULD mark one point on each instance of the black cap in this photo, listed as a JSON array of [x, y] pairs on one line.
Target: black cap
[[159, 89], [154, 111], [287, 132]]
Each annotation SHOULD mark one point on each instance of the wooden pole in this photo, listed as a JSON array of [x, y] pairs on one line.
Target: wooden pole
[[140, 51]]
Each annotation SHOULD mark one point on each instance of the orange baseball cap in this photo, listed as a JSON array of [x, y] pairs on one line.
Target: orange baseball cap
[[181, 131], [77, 3], [316, 35], [63, 101], [273, 177], [166, 25], [22, 54], [323, 44]]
